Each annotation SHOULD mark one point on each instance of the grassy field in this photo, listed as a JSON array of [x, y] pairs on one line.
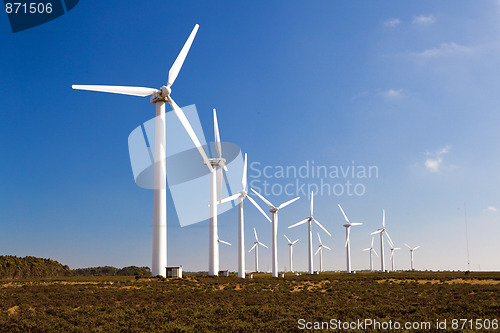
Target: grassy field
[[200, 303]]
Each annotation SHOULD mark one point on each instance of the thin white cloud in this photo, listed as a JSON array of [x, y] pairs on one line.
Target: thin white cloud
[[445, 49], [391, 23], [392, 94], [490, 209], [434, 162], [423, 20]]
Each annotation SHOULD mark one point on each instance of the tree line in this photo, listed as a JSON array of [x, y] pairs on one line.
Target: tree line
[[13, 267]]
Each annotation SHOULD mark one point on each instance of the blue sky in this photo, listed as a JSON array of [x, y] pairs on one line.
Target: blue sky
[[411, 88]]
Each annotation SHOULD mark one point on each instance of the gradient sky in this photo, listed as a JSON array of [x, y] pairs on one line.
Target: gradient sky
[[409, 87]]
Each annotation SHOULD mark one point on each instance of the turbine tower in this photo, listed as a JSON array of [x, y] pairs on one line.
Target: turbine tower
[[320, 250], [256, 247], [372, 250], [348, 226], [309, 221], [159, 97], [241, 224], [290, 245], [382, 231], [274, 210], [411, 255], [215, 166]]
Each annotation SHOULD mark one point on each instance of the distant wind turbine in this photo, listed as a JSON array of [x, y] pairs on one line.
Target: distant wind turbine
[[392, 256], [348, 226], [320, 250], [382, 231], [309, 221], [274, 210], [290, 245], [411, 255], [372, 250], [256, 247], [242, 195]]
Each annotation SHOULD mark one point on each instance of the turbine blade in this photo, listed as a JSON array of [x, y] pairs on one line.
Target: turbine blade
[[289, 241], [372, 242], [383, 218], [345, 216], [264, 245], [124, 90], [319, 239], [298, 223], [321, 226], [366, 249], [348, 234], [389, 239], [257, 206], [182, 118], [217, 136], [312, 205], [319, 249], [416, 248], [357, 223], [295, 241], [253, 247], [326, 247], [283, 205], [408, 246], [375, 252], [255, 233], [176, 67], [224, 242], [376, 232], [231, 198], [244, 178], [263, 199]]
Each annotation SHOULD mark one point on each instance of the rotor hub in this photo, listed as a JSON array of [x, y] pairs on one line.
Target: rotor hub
[[217, 162]]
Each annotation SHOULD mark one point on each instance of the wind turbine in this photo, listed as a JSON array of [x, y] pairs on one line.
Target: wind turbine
[[290, 244], [223, 242], [215, 166], [159, 97], [309, 220], [348, 226], [411, 255], [242, 195], [382, 231], [274, 210], [256, 247], [392, 256], [320, 250], [372, 250]]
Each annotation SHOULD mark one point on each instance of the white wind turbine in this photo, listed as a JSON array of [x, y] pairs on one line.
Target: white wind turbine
[[274, 210], [215, 166], [290, 245], [348, 226], [411, 255], [372, 250], [309, 221], [159, 97], [392, 256], [382, 231], [320, 250], [241, 224], [256, 247]]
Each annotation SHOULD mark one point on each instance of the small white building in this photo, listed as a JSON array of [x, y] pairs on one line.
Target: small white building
[[174, 271]]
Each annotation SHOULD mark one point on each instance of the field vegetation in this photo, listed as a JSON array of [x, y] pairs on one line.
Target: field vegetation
[[199, 303]]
